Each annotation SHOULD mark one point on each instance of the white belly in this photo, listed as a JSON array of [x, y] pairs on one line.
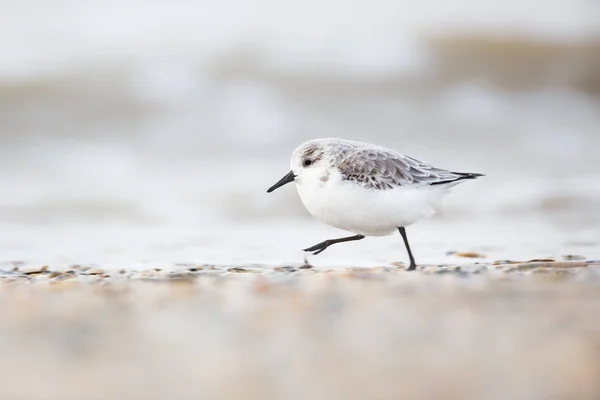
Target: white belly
[[367, 212]]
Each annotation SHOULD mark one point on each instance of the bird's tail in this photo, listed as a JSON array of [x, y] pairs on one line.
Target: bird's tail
[[459, 177], [468, 175]]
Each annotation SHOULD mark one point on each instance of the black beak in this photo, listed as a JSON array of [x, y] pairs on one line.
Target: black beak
[[286, 179]]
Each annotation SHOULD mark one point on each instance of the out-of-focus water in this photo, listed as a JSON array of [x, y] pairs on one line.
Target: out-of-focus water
[[174, 117]]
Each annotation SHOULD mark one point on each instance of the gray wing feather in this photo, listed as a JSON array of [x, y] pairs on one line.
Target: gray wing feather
[[384, 169]]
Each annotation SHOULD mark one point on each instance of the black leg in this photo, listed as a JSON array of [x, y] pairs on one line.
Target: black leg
[[412, 266], [319, 248]]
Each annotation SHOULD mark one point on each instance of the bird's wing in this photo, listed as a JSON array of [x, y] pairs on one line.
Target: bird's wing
[[382, 169]]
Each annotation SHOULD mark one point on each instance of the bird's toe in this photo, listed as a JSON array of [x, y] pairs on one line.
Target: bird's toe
[[318, 247]]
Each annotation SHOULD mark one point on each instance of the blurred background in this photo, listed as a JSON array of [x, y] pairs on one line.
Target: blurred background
[[168, 120]]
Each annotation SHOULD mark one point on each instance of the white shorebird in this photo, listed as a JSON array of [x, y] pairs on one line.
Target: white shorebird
[[366, 189]]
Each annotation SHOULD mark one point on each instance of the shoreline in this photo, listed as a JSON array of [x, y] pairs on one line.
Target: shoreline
[[518, 330]]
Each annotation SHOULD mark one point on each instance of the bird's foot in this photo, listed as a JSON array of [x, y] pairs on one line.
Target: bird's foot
[[318, 248]]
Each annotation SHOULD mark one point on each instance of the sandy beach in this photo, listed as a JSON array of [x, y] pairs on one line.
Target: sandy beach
[[493, 330]]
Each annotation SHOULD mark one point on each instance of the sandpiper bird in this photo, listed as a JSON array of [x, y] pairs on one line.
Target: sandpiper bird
[[366, 189]]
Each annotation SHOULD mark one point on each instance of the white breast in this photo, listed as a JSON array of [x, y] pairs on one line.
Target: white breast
[[369, 212]]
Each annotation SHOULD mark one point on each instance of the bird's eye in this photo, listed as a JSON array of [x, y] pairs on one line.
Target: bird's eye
[[307, 162]]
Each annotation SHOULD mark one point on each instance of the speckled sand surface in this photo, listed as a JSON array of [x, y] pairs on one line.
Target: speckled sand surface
[[481, 330], [233, 312]]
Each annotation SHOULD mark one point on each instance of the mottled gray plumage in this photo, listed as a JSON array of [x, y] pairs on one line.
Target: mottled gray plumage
[[382, 169], [375, 167]]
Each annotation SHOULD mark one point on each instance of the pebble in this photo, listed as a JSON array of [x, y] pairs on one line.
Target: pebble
[[180, 275], [32, 270], [63, 277], [456, 271], [95, 271], [469, 254], [285, 269]]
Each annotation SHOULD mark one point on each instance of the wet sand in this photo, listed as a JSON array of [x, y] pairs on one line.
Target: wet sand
[[482, 329]]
